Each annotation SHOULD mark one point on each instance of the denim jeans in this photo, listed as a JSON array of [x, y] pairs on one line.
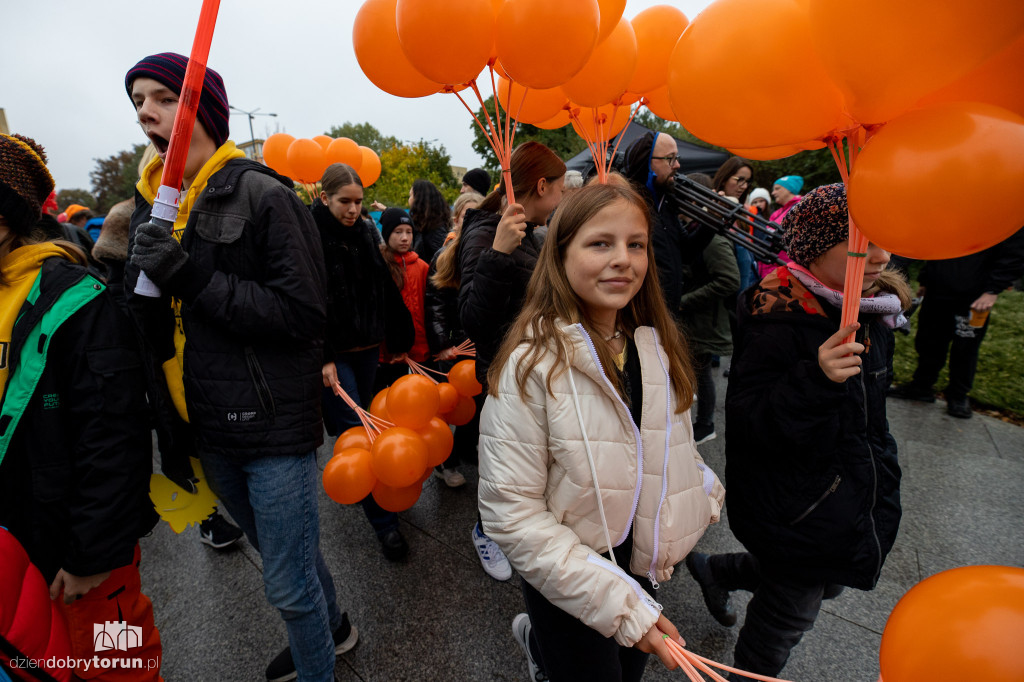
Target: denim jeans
[[274, 500], [356, 370]]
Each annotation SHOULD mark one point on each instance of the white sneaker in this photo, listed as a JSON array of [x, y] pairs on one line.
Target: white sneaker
[[492, 558], [452, 478], [521, 631]]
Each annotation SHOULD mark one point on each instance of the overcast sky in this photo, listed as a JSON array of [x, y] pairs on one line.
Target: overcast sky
[[62, 66]]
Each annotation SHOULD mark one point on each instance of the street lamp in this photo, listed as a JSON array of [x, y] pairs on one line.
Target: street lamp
[[252, 136]]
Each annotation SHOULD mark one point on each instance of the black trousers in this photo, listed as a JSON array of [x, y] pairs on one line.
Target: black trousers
[[706, 394], [943, 327], [782, 609]]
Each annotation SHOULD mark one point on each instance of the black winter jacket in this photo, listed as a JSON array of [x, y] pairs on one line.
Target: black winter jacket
[[427, 244], [74, 480], [253, 311], [813, 479], [968, 277], [364, 307], [492, 284], [441, 309]]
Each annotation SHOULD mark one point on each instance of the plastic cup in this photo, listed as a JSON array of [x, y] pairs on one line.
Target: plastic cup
[[978, 318]]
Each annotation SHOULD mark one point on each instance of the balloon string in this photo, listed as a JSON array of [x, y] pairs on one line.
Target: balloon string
[[591, 145], [364, 417], [677, 649], [500, 146], [632, 115], [835, 145], [487, 136], [423, 370]]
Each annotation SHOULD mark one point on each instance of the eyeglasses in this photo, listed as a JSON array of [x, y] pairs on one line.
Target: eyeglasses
[[741, 181], [670, 159]]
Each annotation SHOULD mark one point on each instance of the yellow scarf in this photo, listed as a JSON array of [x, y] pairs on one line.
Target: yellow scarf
[[20, 269], [148, 185]]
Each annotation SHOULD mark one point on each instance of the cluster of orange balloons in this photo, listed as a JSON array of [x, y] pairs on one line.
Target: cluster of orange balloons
[[961, 624], [938, 91], [394, 465], [306, 159]]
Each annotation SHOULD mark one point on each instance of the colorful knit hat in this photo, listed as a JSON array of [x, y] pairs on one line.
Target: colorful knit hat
[[818, 222], [794, 183], [169, 68], [25, 182]]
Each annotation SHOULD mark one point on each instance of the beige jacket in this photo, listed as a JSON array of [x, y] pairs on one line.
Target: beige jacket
[[537, 488]]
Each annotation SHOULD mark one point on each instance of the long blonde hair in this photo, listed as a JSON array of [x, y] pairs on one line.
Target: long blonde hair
[[446, 275], [550, 300]]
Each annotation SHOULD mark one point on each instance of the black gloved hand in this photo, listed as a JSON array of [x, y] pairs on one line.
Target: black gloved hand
[[157, 253]]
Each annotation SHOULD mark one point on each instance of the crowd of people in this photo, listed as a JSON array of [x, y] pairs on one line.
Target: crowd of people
[[597, 315]]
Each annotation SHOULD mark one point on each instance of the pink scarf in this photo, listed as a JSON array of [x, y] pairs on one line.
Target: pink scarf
[[886, 305]]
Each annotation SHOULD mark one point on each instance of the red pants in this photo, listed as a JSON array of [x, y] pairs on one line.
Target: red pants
[[112, 631]]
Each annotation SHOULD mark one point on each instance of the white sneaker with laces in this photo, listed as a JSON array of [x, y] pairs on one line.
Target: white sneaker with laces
[[452, 478], [492, 558], [521, 631]]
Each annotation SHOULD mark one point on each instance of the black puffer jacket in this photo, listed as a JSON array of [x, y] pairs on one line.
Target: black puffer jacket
[[364, 307], [426, 244], [253, 312], [74, 480], [968, 277], [441, 309], [813, 479], [493, 284]]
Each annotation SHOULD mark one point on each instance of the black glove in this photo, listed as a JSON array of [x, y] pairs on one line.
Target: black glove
[[157, 253]]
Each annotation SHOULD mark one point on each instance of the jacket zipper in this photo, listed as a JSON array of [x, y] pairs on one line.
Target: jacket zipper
[[831, 489], [260, 383], [874, 477], [636, 433], [651, 572], [654, 607]]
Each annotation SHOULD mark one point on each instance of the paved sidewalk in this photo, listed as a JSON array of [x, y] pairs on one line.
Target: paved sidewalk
[[437, 616]]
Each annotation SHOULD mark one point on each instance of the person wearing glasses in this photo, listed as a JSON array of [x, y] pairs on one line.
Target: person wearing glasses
[[734, 180], [651, 163]]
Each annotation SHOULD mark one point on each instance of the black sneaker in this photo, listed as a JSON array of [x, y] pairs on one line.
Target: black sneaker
[[393, 545], [715, 598], [218, 532], [282, 668], [912, 391], [702, 433], [959, 408]]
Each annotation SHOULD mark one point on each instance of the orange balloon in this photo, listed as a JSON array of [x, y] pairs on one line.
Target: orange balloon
[[344, 150], [449, 397], [767, 153], [356, 437], [399, 456], [369, 169], [463, 412], [559, 120], [608, 71], [348, 476], [900, 185], [396, 499], [307, 160], [379, 52], [413, 401], [379, 405], [915, 48], [424, 476], [567, 29], [530, 106], [611, 12], [600, 124], [772, 109], [275, 152], [997, 81], [626, 99], [961, 624], [439, 439], [493, 58], [421, 24], [323, 140], [658, 102], [463, 377], [657, 31]]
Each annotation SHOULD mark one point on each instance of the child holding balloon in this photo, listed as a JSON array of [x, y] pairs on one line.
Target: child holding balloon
[[811, 465], [589, 397]]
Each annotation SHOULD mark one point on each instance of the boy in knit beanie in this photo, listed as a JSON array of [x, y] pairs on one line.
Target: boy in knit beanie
[[243, 272]]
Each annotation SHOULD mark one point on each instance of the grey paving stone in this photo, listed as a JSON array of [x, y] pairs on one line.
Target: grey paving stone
[[1008, 439]]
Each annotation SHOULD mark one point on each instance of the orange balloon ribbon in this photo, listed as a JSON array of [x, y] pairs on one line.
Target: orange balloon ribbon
[[422, 370], [465, 349], [372, 423], [598, 134], [691, 662]]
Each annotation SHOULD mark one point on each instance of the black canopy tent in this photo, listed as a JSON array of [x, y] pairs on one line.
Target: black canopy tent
[[692, 158]]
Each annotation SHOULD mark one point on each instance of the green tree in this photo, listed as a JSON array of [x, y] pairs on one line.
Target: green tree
[[364, 135], [115, 177], [402, 165], [562, 141], [82, 197]]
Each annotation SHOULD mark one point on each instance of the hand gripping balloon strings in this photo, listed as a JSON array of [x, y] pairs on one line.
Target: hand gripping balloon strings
[[688, 661], [465, 349], [372, 423], [165, 206]]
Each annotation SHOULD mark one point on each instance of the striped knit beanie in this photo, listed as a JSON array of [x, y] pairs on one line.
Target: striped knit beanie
[[817, 223], [169, 68], [25, 182]]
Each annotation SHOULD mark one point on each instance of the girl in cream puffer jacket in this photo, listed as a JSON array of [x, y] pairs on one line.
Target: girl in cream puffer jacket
[[576, 461]]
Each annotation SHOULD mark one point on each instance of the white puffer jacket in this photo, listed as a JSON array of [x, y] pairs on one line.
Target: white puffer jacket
[[538, 462]]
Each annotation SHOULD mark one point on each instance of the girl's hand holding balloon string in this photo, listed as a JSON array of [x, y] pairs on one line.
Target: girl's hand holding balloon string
[[654, 641], [511, 229], [840, 361]]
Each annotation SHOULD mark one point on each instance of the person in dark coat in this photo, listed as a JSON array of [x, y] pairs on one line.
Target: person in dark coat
[[958, 294], [495, 257], [813, 475], [431, 219]]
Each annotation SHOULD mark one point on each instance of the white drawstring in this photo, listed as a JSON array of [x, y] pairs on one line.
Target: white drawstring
[[590, 460]]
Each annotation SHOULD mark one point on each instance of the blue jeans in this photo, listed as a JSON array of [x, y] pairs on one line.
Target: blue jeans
[[274, 500]]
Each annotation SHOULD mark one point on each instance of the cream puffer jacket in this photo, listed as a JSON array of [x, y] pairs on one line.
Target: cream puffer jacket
[[542, 459]]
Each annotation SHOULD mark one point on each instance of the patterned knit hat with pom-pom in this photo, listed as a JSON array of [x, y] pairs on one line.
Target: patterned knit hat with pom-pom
[[25, 182]]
